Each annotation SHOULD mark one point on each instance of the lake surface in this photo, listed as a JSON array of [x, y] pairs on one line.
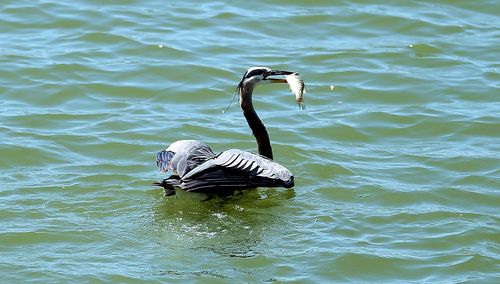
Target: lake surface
[[396, 159]]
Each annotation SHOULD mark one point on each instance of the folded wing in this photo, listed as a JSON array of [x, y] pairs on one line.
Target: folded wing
[[236, 169]]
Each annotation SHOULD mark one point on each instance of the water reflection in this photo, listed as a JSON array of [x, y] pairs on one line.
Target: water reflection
[[231, 226]]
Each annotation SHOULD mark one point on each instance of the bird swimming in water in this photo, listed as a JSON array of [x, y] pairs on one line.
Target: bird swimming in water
[[196, 168]]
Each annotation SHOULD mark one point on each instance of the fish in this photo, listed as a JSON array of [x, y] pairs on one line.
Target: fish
[[297, 87]]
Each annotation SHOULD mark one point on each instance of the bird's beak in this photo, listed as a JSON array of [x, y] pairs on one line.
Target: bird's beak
[[276, 73]]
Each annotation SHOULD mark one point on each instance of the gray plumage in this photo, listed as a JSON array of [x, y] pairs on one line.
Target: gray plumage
[[183, 156]]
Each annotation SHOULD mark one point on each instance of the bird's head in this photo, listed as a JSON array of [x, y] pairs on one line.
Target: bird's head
[[256, 75]]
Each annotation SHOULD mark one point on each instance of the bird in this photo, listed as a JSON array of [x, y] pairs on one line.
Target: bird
[[196, 168]]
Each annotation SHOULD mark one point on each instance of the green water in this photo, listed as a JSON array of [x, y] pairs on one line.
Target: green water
[[397, 166]]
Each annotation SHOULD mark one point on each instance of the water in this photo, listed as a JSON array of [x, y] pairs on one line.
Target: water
[[397, 166]]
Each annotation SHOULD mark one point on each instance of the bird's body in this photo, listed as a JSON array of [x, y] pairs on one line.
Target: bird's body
[[196, 168], [200, 170]]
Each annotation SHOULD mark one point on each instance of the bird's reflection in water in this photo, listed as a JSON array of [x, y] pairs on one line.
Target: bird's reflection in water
[[230, 226]]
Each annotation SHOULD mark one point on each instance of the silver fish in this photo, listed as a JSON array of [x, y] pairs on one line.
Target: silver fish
[[297, 88]]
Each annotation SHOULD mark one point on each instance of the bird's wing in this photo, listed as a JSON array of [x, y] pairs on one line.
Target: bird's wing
[[189, 154], [237, 169]]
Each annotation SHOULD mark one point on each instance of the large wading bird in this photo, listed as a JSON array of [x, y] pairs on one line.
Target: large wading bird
[[196, 168]]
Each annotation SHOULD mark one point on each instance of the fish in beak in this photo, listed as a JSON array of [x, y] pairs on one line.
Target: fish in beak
[[293, 80]]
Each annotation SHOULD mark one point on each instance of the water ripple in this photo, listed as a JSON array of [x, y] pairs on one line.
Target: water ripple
[[395, 158]]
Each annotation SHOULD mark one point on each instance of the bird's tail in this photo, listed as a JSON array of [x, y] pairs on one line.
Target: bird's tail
[[169, 185]]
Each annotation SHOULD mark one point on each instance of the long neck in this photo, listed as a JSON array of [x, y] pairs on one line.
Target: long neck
[[253, 120]]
